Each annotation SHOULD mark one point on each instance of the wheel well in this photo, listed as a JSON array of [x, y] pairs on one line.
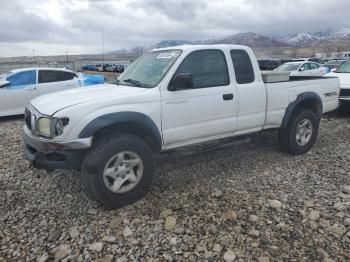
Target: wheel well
[[309, 103], [130, 128]]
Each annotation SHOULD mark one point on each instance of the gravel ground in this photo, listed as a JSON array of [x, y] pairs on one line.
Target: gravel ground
[[248, 202]]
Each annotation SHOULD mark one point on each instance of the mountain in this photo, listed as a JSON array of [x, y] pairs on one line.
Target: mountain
[[252, 40], [317, 38], [167, 43]]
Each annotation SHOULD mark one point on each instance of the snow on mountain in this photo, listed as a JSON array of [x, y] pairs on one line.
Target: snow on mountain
[[308, 39]]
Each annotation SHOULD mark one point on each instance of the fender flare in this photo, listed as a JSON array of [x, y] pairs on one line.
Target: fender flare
[[301, 98], [147, 127]]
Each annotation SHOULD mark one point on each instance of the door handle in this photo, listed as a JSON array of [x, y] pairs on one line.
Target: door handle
[[227, 96], [30, 88]]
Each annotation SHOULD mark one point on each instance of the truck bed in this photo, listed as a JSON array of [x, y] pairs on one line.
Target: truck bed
[[280, 94]]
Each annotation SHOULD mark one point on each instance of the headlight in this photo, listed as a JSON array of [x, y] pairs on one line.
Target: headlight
[[43, 126], [51, 127]]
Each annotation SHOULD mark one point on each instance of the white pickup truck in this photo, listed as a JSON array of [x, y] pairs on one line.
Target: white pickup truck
[[169, 98]]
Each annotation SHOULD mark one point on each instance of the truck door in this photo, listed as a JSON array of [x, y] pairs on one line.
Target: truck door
[[208, 108], [251, 92]]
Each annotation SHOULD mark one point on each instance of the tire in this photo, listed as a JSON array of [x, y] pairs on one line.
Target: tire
[[287, 137], [93, 176]]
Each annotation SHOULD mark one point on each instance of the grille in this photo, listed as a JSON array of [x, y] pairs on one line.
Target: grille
[[28, 118], [344, 92]]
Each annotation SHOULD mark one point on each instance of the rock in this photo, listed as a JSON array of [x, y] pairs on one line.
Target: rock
[[212, 229], [92, 211], [217, 248], [73, 232], [167, 257], [336, 229], [61, 251], [97, 246], [43, 258], [327, 259], [109, 239], [254, 233], [229, 256], [314, 215], [339, 206], [54, 236], [263, 259], [273, 251], [218, 193], [231, 215], [309, 203], [275, 204], [179, 230], [347, 221], [166, 213], [127, 232], [253, 218], [173, 241], [170, 223], [116, 222], [346, 189]]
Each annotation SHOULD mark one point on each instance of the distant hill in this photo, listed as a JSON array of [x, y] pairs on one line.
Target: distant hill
[[318, 38]]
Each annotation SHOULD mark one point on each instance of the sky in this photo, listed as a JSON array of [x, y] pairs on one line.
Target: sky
[[52, 27]]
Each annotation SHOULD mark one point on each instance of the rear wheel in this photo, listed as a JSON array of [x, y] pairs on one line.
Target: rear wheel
[[118, 171], [301, 132]]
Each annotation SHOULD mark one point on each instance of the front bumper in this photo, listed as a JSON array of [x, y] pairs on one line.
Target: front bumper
[[50, 155]]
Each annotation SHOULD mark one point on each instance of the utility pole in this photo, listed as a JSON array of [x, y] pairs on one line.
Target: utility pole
[[103, 48], [67, 60], [33, 56]]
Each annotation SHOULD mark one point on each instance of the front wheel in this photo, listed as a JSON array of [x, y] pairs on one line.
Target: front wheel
[[118, 171], [300, 134]]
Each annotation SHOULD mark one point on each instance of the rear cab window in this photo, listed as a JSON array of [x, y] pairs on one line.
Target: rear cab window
[[243, 67], [49, 76]]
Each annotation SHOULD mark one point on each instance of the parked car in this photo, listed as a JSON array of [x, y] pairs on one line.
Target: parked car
[[19, 86], [309, 59], [119, 69], [334, 64], [89, 68], [343, 73], [268, 64], [303, 69], [167, 99]]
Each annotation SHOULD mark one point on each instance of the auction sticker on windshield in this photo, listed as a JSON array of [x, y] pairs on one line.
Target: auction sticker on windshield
[[167, 55]]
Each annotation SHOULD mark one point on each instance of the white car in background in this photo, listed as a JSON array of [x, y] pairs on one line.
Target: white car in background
[[343, 73], [300, 68], [19, 86]]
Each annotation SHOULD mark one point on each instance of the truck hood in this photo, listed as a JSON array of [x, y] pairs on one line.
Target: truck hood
[[49, 104], [344, 79]]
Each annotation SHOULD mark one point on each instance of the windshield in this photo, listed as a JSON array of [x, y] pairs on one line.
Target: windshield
[[288, 67], [344, 68], [149, 69]]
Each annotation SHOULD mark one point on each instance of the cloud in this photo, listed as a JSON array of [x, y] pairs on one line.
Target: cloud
[[53, 26]]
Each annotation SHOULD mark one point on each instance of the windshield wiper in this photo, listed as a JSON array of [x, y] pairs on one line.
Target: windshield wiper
[[134, 82]]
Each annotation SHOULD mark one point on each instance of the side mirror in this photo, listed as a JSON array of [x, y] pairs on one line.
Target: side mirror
[[334, 69], [302, 69], [4, 83], [181, 81]]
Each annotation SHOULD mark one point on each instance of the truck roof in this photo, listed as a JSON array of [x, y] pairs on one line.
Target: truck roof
[[199, 47]]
